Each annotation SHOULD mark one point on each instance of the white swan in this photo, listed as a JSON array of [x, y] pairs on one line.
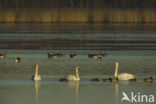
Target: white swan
[[36, 76], [72, 77], [123, 76]]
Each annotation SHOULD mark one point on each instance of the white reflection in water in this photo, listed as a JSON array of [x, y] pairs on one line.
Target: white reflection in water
[[16, 86], [36, 86], [77, 88], [116, 91], [76, 85]]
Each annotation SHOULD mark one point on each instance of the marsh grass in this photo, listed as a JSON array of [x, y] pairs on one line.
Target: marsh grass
[[78, 15]]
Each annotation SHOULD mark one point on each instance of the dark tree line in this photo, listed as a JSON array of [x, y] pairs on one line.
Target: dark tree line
[[78, 4]]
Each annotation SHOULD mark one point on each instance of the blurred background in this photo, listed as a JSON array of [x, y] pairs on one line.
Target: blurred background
[[128, 22]]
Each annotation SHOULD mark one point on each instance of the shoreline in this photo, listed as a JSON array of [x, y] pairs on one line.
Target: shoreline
[[76, 28]]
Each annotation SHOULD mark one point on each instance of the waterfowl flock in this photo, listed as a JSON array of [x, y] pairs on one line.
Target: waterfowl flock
[[98, 56], [117, 77], [54, 55]]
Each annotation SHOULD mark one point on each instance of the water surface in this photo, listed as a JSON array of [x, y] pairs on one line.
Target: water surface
[[16, 86]]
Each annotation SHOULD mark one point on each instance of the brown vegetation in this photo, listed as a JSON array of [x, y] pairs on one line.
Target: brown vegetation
[[78, 15]]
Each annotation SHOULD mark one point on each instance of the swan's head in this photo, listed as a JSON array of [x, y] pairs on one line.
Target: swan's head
[[116, 64], [77, 68]]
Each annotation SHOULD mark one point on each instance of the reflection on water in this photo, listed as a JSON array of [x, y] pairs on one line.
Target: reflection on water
[[72, 84], [116, 91], [65, 93], [16, 86], [36, 86], [77, 88], [116, 88]]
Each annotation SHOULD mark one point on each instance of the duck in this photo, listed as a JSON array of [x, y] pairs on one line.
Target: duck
[[103, 54], [110, 80], [52, 55], [95, 79], [148, 79], [92, 55], [73, 55], [61, 54], [107, 80], [114, 79], [3, 55], [18, 60], [99, 58]]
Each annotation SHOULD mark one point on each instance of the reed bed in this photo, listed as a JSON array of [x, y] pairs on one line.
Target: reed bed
[[78, 15]]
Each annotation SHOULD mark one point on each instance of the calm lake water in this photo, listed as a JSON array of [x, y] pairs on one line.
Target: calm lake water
[[133, 46], [77, 28], [17, 88]]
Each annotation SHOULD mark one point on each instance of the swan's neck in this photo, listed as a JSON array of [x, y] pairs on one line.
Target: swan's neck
[[116, 71], [36, 72], [77, 73]]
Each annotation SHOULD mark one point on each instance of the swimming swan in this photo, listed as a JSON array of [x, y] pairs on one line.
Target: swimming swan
[[123, 76], [36, 76], [72, 77]]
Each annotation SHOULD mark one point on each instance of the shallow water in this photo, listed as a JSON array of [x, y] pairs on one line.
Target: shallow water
[[84, 92], [17, 88]]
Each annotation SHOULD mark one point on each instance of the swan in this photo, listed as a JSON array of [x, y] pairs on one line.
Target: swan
[[123, 76], [72, 77], [36, 76], [107, 79]]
